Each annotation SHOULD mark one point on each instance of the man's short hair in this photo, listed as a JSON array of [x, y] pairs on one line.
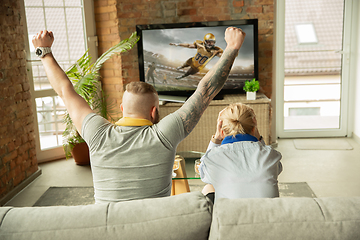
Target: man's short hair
[[140, 88], [237, 118]]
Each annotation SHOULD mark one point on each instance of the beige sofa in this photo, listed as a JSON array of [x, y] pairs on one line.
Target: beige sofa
[[188, 216]]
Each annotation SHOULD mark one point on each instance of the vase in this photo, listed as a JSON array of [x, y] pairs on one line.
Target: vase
[[81, 154], [250, 95]]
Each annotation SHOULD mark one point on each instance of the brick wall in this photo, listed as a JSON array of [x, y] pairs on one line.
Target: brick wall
[[116, 20], [107, 29], [17, 145]]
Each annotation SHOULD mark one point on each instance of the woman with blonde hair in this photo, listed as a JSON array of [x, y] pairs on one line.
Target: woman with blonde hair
[[237, 163]]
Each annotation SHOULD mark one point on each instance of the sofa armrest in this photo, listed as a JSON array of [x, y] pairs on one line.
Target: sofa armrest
[[286, 218]]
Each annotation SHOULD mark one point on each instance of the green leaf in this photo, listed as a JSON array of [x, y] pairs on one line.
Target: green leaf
[[251, 86], [123, 46]]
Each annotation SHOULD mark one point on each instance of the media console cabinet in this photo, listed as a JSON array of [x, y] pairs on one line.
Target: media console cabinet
[[199, 138]]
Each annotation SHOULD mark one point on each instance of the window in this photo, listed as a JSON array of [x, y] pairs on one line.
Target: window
[[314, 111], [305, 33], [66, 19]]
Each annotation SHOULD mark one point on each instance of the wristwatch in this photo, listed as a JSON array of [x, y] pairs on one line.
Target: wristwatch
[[42, 51]]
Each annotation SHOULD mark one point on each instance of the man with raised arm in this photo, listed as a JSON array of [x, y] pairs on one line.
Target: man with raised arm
[[133, 158]]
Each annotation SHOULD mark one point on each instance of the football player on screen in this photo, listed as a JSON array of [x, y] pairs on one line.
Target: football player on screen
[[150, 72], [206, 50]]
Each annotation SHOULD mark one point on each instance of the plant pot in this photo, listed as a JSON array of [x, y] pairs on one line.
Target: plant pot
[[250, 95], [81, 154]]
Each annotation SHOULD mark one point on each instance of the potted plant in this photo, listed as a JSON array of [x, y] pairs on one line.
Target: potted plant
[[251, 87], [85, 77]]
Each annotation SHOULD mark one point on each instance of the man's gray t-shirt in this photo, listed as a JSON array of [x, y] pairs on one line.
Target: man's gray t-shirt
[[130, 163]]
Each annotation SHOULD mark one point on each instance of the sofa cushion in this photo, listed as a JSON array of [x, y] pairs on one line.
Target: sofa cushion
[[286, 218], [185, 216]]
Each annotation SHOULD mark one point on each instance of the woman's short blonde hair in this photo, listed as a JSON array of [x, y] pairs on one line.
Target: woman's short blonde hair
[[237, 118]]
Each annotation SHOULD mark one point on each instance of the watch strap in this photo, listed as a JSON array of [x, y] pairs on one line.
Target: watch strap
[[44, 51]]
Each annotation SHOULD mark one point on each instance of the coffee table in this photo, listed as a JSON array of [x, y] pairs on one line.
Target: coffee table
[[184, 170]]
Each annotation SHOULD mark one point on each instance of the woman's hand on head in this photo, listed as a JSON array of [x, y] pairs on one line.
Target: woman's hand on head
[[219, 133]]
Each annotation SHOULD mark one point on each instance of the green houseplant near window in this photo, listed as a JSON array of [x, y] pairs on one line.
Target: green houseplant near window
[[85, 78], [251, 87]]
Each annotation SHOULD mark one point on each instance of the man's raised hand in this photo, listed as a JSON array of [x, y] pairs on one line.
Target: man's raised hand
[[43, 39], [234, 37]]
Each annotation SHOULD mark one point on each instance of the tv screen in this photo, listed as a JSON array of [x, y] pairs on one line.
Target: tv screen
[[174, 57]]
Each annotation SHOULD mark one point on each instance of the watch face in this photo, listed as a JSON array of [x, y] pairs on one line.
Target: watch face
[[38, 52]]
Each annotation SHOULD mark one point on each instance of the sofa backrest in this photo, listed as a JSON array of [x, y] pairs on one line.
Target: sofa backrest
[[286, 218], [185, 216]]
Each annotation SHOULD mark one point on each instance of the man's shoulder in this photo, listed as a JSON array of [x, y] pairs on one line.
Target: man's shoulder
[[171, 127], [93, 117], [92, 121], [170, 118]]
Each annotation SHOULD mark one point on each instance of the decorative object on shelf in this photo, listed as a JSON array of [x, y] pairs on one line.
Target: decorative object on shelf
[[85, 77], [251, 87], [196, 166], [176, 165]]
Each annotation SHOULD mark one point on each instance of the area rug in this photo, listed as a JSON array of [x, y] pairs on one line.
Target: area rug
[[296, 189], [322, 144], [73, 196], [66, 196]]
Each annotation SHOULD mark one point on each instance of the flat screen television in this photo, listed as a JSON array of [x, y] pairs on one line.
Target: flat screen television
[[164, 51]]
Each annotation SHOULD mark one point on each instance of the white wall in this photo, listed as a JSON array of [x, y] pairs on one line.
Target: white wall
[[357, 86]]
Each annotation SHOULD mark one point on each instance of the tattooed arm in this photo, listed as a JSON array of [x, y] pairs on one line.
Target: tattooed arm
[[211, 84]]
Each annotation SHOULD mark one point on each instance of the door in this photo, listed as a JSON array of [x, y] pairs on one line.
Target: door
[[313, 68], [72, 22]]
